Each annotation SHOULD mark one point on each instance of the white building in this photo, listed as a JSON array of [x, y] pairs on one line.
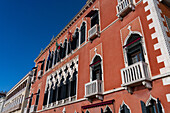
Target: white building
[[15, 98]]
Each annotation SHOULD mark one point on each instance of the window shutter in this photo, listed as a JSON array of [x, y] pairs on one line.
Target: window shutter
[[159, 106], [143, 107]]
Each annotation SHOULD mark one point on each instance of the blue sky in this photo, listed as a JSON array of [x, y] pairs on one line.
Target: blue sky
[[26, 26]]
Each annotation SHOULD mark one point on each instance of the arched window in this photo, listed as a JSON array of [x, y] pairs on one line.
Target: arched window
[[48, 60], [61, 51], [87, 111], [83, 32], [73, 84], [60, 89], [51, 94], [69, 46], [75, 41], [64, 48], [152, 106], [55, 94], [46, 96], [56, 55], [107, 110], [51, 59], [67, 86], [124, 109], [96, 68], [134, 50], [37, 99]]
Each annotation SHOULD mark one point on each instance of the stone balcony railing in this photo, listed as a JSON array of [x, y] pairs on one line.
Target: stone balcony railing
[[124, 7], [94, 89], [135, 75]]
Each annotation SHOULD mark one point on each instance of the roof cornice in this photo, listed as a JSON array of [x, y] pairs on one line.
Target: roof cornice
[[85, 7]]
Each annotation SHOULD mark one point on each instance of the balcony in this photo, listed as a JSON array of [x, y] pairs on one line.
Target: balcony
[[93, 32], [40, 73], [94, 89], [124, 7], [136, 74]]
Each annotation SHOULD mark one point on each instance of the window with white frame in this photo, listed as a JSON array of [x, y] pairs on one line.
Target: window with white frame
[[96, 68], [61, 85], [124, 108], [83, 32], [37, 99], [134, 49], [95, 19], [152, 106]]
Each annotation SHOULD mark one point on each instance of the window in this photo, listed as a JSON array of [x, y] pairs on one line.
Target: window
[[48, 60], [65, 48], [51, 60], [107, 110], [69, 46], [45, 97], [124, 109], [87, 111], [51, 94], [37, 99], [61, 49], [73, 84], [42, 65], [30, 102], [83, 32], [55, 94], [75, 41], [60, 89], [96, 69], [134, 50], [154, 106], [67, 88], [95, 19]]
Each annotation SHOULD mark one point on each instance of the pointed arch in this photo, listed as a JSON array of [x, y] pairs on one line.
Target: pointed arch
[[83, 32], [133, 48], [124, 108], [87, 111], [96, 68], [154, 105], [107, 110]]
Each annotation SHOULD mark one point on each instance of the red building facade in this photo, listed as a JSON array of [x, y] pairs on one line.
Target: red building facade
[[113, 57]]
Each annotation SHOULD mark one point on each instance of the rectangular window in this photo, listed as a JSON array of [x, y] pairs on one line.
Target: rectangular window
[[94, 19]]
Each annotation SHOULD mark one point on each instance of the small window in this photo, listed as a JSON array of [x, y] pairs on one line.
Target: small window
[[83, 32], [37, 99], [30, 101], [74, 84], [64, 49], [95, 19], [134, 49], [45, 97], [96, 69]]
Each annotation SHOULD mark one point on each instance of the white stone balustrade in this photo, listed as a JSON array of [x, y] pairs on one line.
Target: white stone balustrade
[[94, 88], [135, 74]]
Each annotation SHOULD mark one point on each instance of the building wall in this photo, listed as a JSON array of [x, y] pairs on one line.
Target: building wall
[[144, 20]]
